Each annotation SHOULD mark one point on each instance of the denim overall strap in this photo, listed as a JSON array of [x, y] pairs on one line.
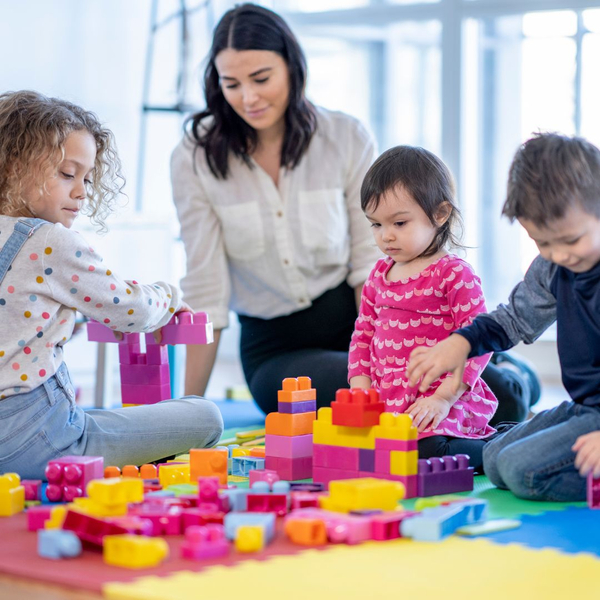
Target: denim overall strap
[[24, 228]]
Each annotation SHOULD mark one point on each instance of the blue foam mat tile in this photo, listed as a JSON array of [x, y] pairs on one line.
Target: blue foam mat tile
[[240, 413], [573, 530]]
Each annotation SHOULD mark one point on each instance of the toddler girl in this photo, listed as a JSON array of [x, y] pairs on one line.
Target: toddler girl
[[56, 160], [417, 295]]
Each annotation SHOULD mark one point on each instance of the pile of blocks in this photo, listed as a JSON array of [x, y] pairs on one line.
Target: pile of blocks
[[289, 438], [145, 376]]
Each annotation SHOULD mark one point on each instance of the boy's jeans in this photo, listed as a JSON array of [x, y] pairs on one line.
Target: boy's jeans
[[534, 459], [45, 424]]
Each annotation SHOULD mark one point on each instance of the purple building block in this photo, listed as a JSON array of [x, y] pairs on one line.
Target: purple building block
[[185, 328], [132, 374], [593, 491], [68, 476], [285, 446], [445, 475], [297, 407], [335, 457], [144, 394], [366, 460]]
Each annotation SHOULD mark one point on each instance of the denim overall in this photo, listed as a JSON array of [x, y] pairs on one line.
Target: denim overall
[[46, 423]]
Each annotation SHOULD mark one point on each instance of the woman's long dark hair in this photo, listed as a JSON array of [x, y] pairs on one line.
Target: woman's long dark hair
[[252, 27]]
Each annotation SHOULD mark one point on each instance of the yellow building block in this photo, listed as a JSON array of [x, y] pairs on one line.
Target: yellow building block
[[57, 517], [173, 474], [115, 491], [403, 463], [395, 427], [362, 494], [134, 551], [240, 452], [93, 508], [338, 435], [12, 495], [250, 538]]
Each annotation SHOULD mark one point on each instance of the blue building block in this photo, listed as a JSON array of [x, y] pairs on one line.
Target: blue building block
[[434, 524], [57, 544], [238, 499], [242, 465], [234, 520]]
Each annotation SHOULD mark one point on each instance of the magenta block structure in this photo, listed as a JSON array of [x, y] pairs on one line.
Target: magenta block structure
[[593, 491], [297, 407], [145, 374], [290, 469], [336, 457], [185, 328], [398, 445], [445, 475], [97, 332], [68, 476], [204, 542], [144, 394], [366, 460], [326, 474], [33, 489], [284, 446], [37, 516]]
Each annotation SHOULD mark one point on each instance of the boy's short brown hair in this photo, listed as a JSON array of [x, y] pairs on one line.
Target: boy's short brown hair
[[549, 173]]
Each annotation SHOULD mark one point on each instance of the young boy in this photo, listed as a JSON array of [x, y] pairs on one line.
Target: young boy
[[554, 193]]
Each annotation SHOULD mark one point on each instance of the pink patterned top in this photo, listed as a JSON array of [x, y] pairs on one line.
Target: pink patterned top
[[398, 316]]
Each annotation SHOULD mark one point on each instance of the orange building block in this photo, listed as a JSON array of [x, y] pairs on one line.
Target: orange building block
[[130, 471], [306, 532], [208, 463], [296, 390], [290, 424], [258, 452]]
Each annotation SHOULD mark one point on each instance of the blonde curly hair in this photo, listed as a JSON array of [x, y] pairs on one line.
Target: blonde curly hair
[[33, 130]]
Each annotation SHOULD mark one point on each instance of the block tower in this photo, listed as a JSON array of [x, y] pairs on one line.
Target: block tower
[[356, 438], [145, 376], [289, 438]]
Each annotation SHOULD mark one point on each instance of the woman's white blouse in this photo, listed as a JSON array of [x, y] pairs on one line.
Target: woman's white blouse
[[266, 251]]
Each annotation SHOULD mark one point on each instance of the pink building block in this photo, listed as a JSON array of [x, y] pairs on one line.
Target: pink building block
[[164, 522], [276, 503], [290, 469], [157, 355], [398, 445], [185, 328], [144, 394], [444, 475], [325, 475], [97, 332], [37, 516], [68, 476], [386, 526], [145, 374], [200, 516], [284, 446], [593, 491], [204, 542], [33, 489], [336, 457], [263, 475]]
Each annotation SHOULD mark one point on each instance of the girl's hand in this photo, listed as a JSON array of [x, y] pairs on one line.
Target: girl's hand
[[157, 335], [587, 448], [427, 364], [360, 381], [429, 411]]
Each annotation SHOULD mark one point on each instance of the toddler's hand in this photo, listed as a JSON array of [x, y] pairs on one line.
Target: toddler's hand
[[587, 448], [431, 410], [427, 364], [157, 335]]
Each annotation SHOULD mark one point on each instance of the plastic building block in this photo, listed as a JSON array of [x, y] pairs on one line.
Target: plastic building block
[[263, 475], [90, 529], [434, 524], [208, 492], [148, 472], [57, 518], [444, 475], [237, 498], [68, 476], [242, 465], [204, 542], [37, 516], [233, 521], [488, 527], [134, 551], [111, 492], [267, 502], [324, 475], [336, 457], [130, 471], [357, 408], [306, 531], [173, 474], [324, 432], [97, 332], [285, 446], [304, 500], [185, 328], [155, 354], [144, 394], [593, 491], [359, 494], [237, 451], [301, 486], [366, 459], [296, 390], [165, 521], [297, 407], [290, 424], [408, 481], [200, 516], [397, 445], [403, 463], [12, 495], [290, 468], [386, 526], [130, 353], [395, 427], [339, 528], [33, 489], [208, 463], [112, 472], [57, 544], [258, 452], [145, 374], [250, 538]]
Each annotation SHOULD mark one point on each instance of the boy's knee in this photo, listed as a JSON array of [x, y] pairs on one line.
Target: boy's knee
[[512, 468], [490, 467]]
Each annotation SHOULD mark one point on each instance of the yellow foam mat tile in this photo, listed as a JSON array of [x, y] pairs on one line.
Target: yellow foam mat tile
[[453, 570]]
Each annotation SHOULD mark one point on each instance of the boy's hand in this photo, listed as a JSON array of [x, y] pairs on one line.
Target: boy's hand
[[587, 448], [427, 364], [431, 410]]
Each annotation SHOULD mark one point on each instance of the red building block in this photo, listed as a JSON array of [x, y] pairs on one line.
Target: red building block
[[185, 328], [208, 463], [357, 408], [68, 476], [90, 529], [296, 390]]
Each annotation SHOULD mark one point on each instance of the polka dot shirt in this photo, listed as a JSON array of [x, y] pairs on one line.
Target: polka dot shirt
[[55, 274]]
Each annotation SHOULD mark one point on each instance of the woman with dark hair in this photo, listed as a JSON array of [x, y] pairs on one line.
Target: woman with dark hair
[[267, 191]]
